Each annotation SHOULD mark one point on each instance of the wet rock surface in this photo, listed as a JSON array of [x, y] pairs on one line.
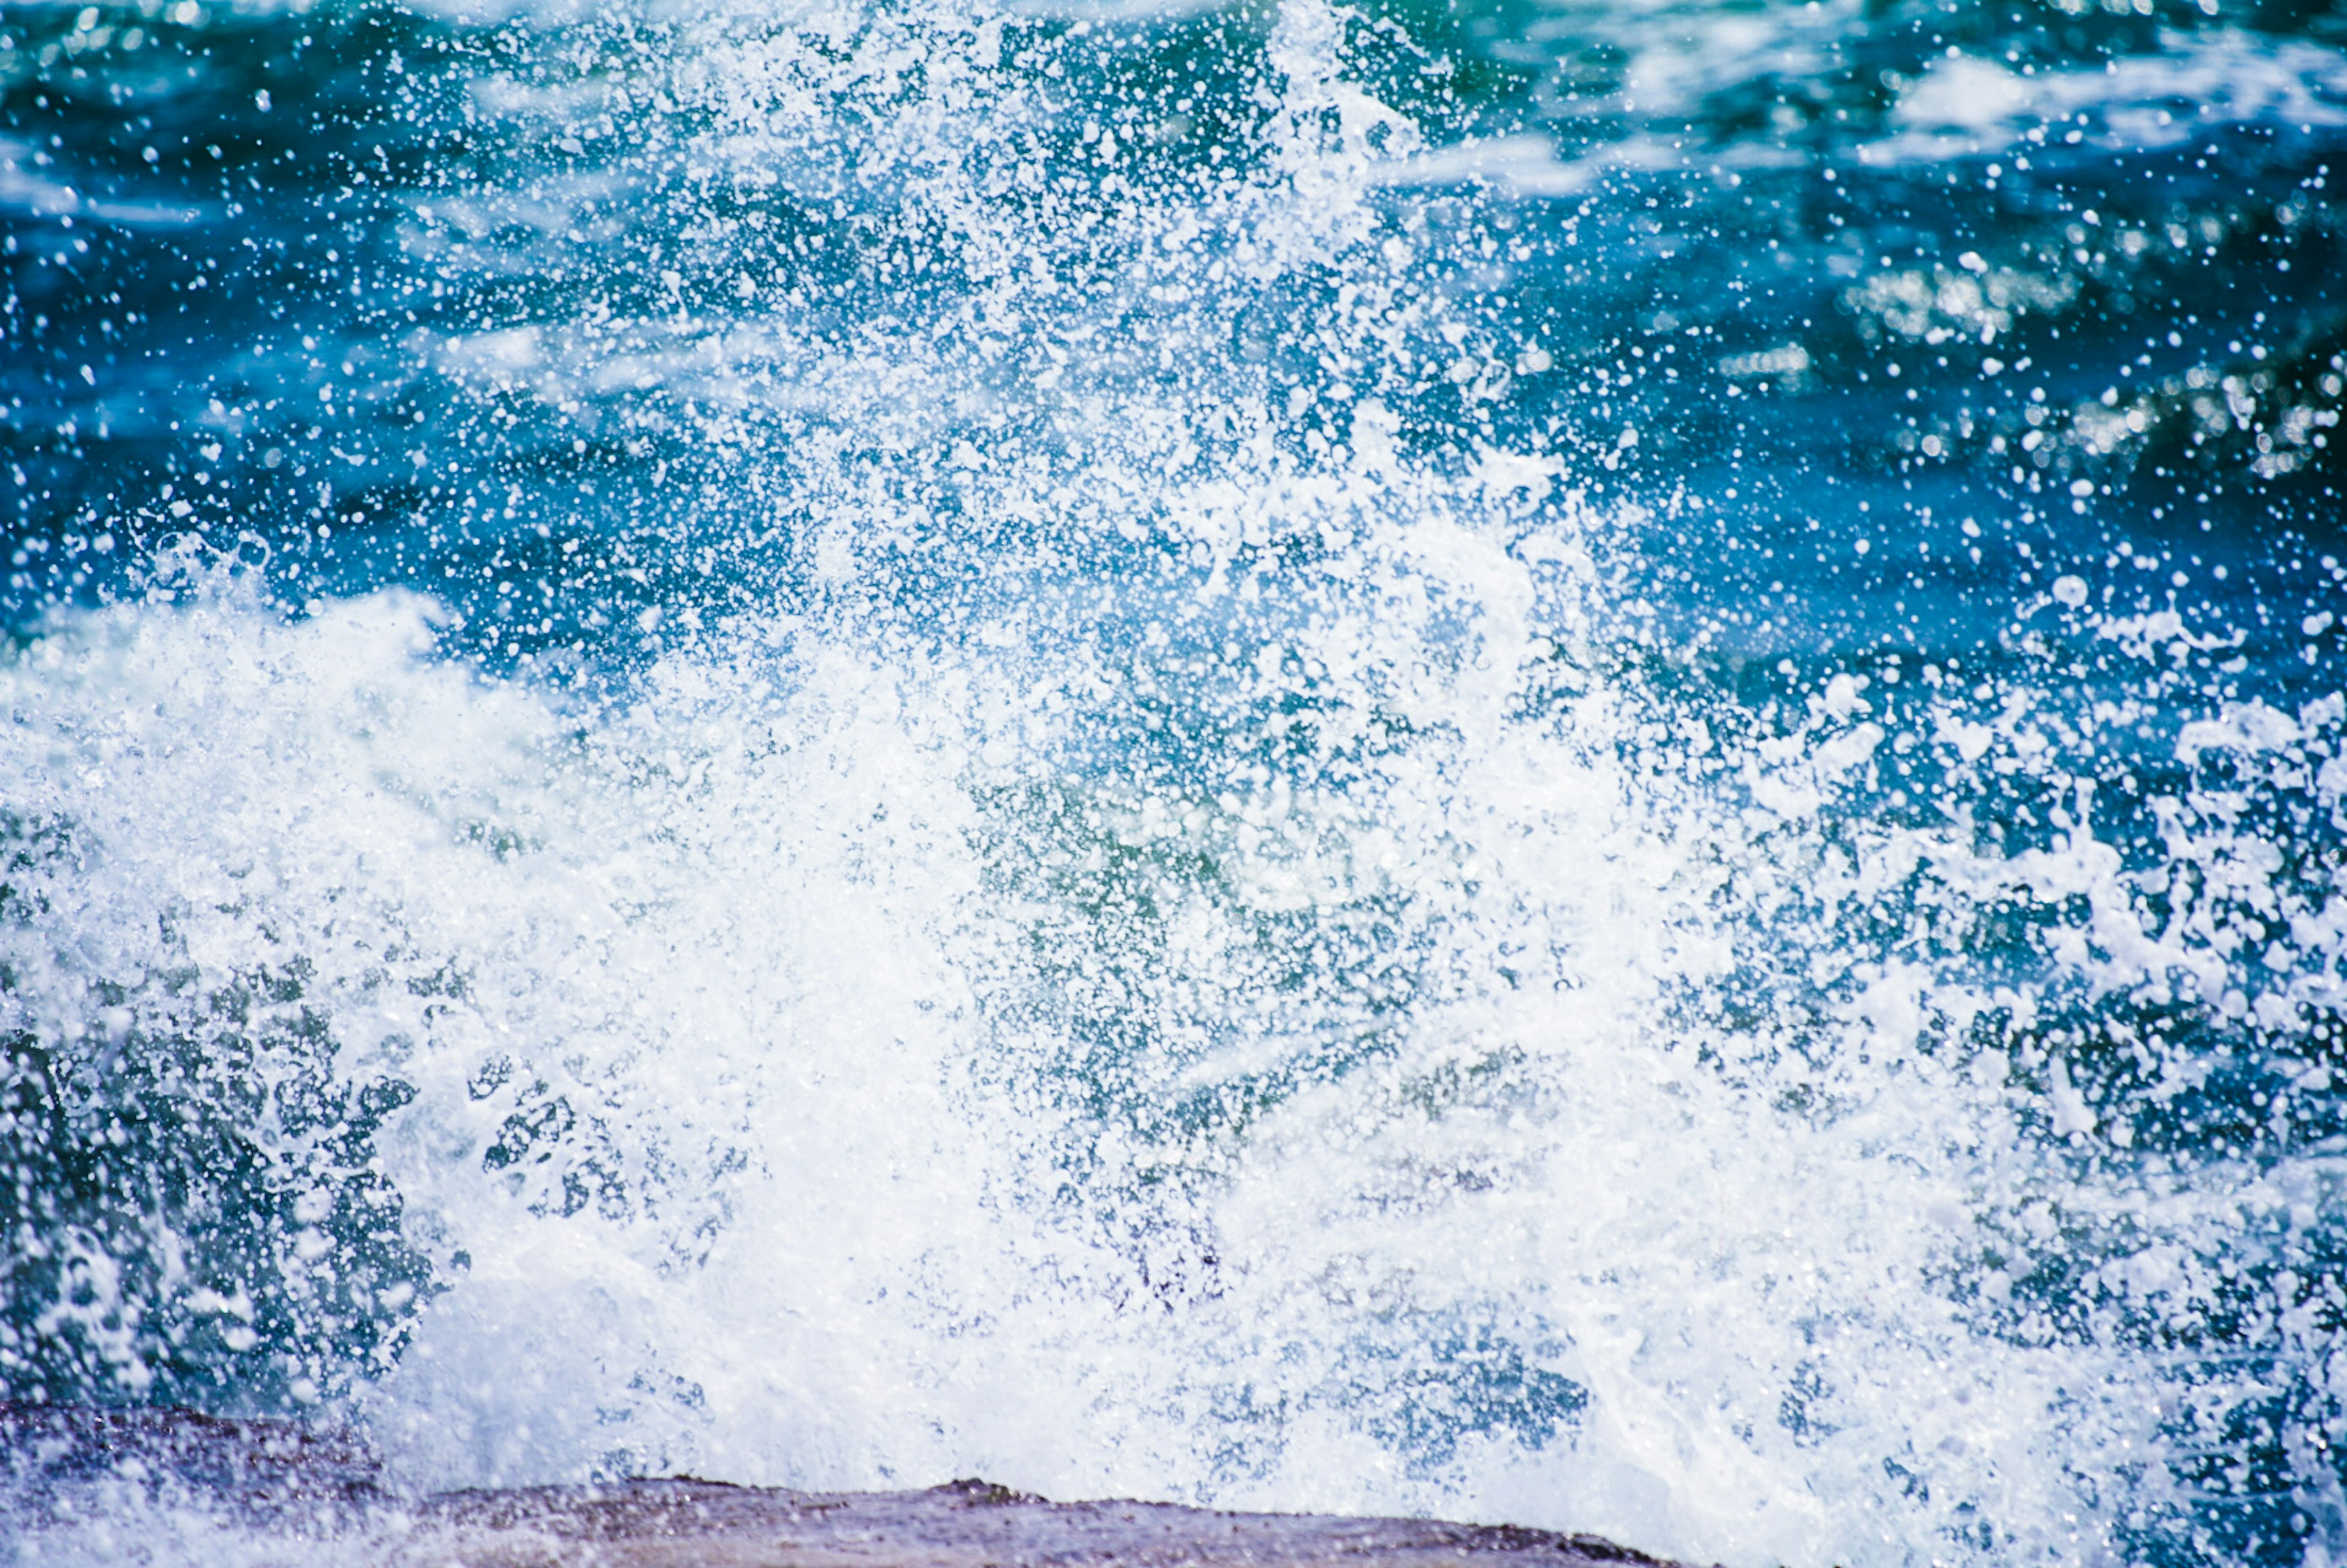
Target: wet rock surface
[[962, 1524], [58, 1460], [81, 1480]]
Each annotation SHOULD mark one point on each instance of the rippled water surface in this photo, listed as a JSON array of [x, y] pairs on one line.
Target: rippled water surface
[[1544, 761]]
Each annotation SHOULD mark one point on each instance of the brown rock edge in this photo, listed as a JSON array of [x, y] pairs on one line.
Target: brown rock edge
[[962, 1524], [319, 1494]]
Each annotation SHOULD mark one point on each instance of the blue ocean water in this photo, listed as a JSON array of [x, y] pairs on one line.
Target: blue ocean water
[[1566, 762]]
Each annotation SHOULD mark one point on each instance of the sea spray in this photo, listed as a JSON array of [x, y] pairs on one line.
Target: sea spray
[[943, 742]]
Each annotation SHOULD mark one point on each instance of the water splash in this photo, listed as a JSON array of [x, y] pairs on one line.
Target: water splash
[[955, 743]]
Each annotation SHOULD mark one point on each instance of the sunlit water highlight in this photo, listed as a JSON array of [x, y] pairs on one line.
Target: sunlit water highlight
[[1577, 765]]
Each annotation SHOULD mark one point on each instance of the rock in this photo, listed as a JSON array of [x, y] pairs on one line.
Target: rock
[[290, 1491], [962, 1524], [48, 1452]]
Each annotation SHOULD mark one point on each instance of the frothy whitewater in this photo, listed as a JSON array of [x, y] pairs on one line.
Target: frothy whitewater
[[1137, 752]]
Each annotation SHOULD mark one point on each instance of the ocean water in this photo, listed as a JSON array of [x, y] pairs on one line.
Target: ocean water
[[1537, 761]]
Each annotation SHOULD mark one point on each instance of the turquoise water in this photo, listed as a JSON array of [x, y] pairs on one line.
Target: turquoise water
[[1542, 761]]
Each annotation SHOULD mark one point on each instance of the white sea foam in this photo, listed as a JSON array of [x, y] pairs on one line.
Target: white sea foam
[[835, 1217]]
